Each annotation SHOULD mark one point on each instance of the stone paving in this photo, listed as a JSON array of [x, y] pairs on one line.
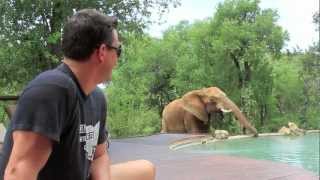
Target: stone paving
[[177, 165]]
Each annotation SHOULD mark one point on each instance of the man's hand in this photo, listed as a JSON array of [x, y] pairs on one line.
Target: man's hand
[[100, 167], [29, 154]]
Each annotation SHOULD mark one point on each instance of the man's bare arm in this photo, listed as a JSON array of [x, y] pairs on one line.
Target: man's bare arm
[[29, 154], [100, 167]]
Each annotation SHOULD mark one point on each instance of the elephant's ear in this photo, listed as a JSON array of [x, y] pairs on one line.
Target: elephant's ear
[[192, 103]]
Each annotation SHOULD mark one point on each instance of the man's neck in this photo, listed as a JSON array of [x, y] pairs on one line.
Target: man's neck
[[83, 73]]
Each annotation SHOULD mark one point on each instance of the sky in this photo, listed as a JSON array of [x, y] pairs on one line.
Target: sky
[[295, 17]]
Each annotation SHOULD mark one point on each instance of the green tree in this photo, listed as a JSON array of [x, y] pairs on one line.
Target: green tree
[[288, 88], [247, 36], [129, 113], [232, 49], [311, 88], [310, 74], [31, 30]]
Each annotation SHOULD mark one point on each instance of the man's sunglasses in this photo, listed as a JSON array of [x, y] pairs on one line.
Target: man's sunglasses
[[118, 49]]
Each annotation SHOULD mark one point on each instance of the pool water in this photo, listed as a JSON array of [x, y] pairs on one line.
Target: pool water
[[300, 151]]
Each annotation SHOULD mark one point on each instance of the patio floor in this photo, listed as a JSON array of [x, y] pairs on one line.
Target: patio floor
[[177, 165]]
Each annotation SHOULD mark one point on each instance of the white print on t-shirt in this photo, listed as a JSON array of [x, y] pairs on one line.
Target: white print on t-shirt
[[89, 134]]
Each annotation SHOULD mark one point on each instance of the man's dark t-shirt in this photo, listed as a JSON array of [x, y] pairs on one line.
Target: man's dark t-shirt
[[54, 105]]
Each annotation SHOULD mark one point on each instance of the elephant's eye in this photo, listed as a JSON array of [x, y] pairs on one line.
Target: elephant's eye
[[213, 99]]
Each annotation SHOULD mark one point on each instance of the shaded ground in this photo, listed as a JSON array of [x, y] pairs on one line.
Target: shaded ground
[[172, 165]]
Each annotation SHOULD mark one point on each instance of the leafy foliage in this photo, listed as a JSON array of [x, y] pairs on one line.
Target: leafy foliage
[[31, 30], [237, 50]]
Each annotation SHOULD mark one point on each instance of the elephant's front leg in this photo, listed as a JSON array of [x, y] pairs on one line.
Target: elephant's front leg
[[195, 125], [216, 119]]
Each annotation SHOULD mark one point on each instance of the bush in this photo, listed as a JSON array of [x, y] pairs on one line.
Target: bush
[[313, 119], [128, 122], [274, 124]]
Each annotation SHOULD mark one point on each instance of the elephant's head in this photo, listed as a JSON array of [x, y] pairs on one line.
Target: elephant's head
[[212, 99]]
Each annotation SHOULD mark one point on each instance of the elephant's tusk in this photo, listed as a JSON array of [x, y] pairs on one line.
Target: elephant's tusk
[[222, 109], [226, 110]]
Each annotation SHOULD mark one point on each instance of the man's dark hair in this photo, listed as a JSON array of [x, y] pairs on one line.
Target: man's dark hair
[[85, 31]]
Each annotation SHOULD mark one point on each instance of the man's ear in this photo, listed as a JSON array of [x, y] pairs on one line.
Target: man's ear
[[101, 53]]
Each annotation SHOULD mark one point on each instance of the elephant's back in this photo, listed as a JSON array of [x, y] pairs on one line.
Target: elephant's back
[[173, 110]]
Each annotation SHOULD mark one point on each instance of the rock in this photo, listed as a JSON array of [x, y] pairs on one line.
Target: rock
[[293, 130], [221, 134], [292, 126], [285, 131], [204, 142], [298, 132]]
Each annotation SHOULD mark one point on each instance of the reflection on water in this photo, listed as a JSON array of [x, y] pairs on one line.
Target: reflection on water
[[301, 151]]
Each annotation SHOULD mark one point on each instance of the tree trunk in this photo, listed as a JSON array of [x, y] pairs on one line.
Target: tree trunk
[[306, 103], [263, 114], [237, 64]]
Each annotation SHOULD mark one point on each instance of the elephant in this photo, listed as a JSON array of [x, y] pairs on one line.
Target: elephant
[[190, 114]]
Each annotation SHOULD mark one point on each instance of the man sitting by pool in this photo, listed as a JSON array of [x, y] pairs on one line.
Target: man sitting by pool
[[58, 129]]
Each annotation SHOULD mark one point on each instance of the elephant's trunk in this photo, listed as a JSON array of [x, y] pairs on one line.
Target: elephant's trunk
[[239, 115]]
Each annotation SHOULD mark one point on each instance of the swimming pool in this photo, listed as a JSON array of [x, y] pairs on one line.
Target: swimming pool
[[300, 151]]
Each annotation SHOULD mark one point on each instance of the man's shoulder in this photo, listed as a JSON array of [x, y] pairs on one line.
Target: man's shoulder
[[51, 82], [52, 77]]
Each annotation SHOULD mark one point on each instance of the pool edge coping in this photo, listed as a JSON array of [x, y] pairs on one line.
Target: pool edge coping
[[206, 139]]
